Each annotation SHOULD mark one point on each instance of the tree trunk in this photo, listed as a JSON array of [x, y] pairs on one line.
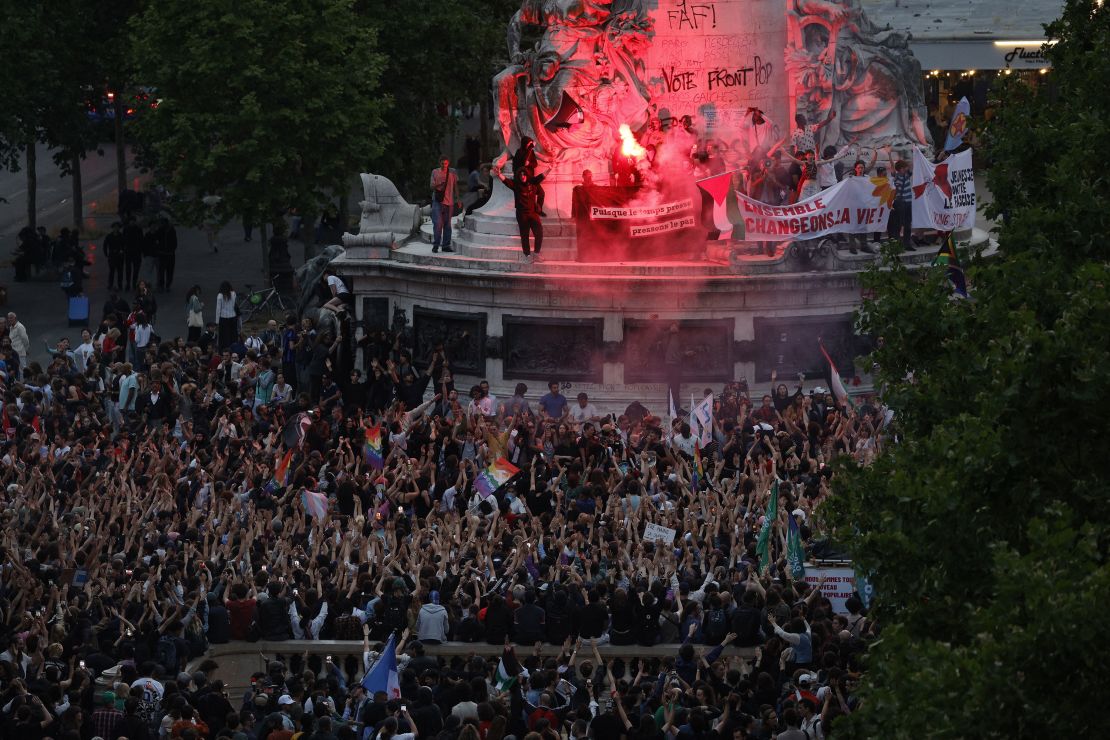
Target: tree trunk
[[78, 193], [32, 185], [265, 254], [121, 145], [343, 213]]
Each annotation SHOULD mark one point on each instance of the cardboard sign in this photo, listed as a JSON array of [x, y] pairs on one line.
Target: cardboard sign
[[658, 533], [840, 584]]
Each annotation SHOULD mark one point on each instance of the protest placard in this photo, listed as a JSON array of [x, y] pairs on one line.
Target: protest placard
[[658, 533]]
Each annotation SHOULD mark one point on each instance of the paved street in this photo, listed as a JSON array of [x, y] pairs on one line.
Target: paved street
[[42, 305]]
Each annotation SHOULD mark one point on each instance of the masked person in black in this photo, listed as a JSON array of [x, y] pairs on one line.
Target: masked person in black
[[526, 191], [525, 159]]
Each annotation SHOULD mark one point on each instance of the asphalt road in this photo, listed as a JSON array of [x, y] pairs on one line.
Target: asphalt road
[[54, 193]]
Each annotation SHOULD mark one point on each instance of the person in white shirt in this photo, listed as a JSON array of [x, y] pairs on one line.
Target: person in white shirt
[[340, 295], [140, 335], [255, 342], [683, 440], [281, 392], [584, 411], [84, 351], [21, 342], [226, 315]]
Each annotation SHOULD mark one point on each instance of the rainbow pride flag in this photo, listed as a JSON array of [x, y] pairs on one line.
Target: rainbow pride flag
[[498, 473], [281, 470], [372, 449], [315, 504]]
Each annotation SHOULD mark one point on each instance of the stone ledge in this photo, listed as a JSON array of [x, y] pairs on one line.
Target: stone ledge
[[238, 660]]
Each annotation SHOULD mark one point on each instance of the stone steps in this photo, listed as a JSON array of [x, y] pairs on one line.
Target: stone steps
[[508, 260]]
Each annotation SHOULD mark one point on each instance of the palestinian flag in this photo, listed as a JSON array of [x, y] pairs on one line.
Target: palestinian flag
[[726, 212], [293, 433], [507, 670], [946, 257]]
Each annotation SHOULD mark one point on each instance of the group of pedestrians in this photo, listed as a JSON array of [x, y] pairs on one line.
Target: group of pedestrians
[[135, 253]]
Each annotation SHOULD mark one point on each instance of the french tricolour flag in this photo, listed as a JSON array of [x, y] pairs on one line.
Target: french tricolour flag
[[382, 676]]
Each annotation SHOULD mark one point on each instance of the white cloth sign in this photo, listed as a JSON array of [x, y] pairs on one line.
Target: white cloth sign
[[943, 193], [701, 420], [658, 533], [855, 205], [840, 583]]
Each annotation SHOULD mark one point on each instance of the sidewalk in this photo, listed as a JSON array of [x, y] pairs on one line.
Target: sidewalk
[[42, 306]]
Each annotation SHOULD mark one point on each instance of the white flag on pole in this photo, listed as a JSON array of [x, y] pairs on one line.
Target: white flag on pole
[[701, 420]]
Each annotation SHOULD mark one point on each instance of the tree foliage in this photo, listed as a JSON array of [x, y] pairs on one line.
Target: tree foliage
[[269, 104], [441, 54], [49, 77], [986, 529]]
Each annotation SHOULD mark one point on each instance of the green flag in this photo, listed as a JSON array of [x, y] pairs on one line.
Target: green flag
[[795, 552], [762, 545]]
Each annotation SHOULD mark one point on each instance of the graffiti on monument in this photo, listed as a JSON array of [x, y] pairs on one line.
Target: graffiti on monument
[[706, 346], [789, 346], [463, 335], [541, 349], [719, 63]]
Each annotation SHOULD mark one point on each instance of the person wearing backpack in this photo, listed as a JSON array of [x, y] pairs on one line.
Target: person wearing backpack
[[394, 609], [746, 621], [171, 651], [715, 626]]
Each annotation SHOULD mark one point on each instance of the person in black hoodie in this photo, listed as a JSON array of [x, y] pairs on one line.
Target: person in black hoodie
[[273, 615], [526, 196]]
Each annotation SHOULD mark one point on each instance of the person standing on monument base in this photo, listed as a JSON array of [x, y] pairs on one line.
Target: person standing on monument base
[[445, 192], [526, 188], [804, 138]]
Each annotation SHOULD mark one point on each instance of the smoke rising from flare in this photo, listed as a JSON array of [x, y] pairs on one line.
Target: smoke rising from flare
[[629, 146]]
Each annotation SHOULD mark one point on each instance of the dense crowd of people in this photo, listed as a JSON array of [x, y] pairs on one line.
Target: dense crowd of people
[[162, 495]]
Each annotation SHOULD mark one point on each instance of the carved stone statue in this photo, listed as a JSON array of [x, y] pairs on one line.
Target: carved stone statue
[[308, 278], [581, 80], [841, 61], [387, 219]]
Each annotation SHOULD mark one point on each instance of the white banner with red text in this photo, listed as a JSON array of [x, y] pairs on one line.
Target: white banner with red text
[[943, 193], [856, 205]]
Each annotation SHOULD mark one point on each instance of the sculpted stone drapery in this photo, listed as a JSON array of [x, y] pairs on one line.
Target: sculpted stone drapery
[[841, 61], [590, 51]]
